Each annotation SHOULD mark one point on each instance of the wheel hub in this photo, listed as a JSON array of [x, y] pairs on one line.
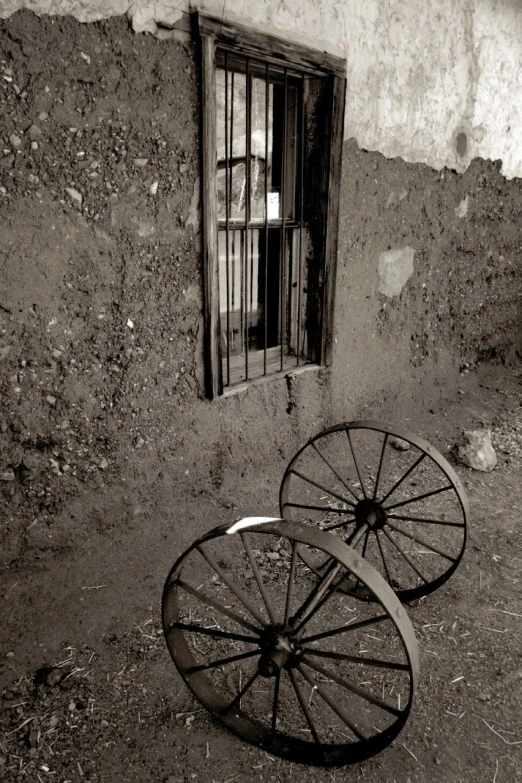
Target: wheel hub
[[371, 513], [279, 650]]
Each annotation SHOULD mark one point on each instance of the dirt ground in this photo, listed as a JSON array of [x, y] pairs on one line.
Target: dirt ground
[[89, 692]]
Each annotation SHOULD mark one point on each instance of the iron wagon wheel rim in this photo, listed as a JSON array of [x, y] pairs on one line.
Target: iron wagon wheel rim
[[409, 593], [248, 728]]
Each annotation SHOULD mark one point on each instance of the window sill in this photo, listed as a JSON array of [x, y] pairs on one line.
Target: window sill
[[240, 388]]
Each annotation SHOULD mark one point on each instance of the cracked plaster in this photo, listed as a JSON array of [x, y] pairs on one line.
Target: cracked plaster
[[420, 76]]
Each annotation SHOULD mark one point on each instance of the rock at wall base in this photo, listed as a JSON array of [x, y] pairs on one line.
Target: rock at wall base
[[475, 450]]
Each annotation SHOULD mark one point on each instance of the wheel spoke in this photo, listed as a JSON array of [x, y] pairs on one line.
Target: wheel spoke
[[404, 477], [322, 488], [337, 525], [363, 554], [353, 688], [357, 659], [345, 628], [291, 579], [303, 704], [242, 692], [421, 541], [343, 715], [222, 662], [406, 557], [356, 463], [385, 564], [365, 545], [356, 536], [381, 462], [212, 632], [276, 700], [258, 577], [420, 497], [327, 509], [425, 521], [343, 482], [206, 599], [240, 595]]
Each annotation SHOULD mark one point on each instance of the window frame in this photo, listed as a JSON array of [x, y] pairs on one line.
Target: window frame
[[216, 33]]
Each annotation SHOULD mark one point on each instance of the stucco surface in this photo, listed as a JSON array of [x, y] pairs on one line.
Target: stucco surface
[[497, 104], [419, 74]]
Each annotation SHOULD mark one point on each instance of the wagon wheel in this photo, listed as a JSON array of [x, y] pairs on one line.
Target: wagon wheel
[[387, 492], [285, 661]]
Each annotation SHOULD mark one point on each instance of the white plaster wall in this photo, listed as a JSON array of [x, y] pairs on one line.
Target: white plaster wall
[[497, 99], [420, 72]]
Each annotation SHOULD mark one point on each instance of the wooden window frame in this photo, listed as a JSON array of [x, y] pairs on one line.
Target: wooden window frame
[[212, 33]]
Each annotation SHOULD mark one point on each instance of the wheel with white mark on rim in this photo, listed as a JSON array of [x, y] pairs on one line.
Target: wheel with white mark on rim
[[288, 662]]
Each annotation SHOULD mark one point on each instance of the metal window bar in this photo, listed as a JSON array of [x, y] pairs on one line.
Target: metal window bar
[[233, 276], [248, 131], [301, 220], [228, 176], [282, 262], [253, 233], [227, 211], [242, 290], [265, 293]]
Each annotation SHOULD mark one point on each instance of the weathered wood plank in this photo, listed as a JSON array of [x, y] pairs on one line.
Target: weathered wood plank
[[209, 218], [332, 217], [317, 109], [255, 43]]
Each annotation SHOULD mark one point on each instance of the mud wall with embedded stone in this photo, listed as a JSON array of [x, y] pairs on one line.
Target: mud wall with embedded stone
[[430, 278], [101, 352]]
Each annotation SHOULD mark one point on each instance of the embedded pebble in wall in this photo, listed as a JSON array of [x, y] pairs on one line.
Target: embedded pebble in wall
[[462, 210], [75, 196], [395, 267], [34, 132], [145, 228], [395, 197]]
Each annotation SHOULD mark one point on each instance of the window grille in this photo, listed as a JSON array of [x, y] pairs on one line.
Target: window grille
[[262, 302]]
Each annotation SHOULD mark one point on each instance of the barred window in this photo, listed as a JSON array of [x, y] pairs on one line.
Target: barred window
[[272, 131]]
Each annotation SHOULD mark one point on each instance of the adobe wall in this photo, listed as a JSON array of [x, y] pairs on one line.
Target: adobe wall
[[100, 304]]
